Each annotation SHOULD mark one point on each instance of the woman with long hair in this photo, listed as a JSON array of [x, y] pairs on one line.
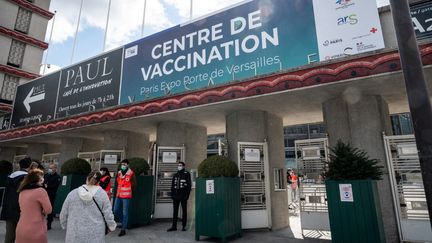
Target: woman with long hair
[[105, 181], [35, 205], [87, 213]]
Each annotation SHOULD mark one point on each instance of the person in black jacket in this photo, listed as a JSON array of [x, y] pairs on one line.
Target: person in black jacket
[[10, 209], [51, 182], [180, 190]]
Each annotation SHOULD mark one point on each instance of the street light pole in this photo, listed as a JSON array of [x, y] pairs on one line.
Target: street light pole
[[417, 91]]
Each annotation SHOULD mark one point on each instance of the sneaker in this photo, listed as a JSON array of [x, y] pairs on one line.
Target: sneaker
[[171, 229], [122, 232]]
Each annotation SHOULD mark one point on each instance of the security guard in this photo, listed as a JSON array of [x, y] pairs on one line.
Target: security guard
[[180, 190]]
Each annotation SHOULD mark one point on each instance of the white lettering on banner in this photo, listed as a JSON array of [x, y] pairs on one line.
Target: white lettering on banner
[[223, 51], [218, 52], [354, 24], [75, 77]]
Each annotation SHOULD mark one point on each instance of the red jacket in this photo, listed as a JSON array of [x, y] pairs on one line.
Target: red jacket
[[124, 184]]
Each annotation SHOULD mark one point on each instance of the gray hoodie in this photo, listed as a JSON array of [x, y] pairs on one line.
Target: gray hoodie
[[82, 219]]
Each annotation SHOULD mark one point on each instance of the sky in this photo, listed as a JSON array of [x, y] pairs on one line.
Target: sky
[[124, 25]]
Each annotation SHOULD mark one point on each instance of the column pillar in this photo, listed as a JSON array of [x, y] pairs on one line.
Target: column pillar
[[134, 144], [260, 126], [36, 150], [361, 122], [7, 153], [194, 138], [69, 148]]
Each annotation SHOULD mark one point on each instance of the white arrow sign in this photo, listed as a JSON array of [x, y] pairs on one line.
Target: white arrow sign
[[31, 99]]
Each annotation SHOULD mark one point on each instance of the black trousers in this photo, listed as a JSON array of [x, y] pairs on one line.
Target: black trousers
[[176, 204], [51, 216]]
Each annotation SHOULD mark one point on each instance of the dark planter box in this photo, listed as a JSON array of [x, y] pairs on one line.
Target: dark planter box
[[141, 204], [72, 182], [218, 214], [359, 220]]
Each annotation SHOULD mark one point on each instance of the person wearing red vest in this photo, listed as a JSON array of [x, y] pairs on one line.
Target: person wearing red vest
[[125, 184], [105, 181]]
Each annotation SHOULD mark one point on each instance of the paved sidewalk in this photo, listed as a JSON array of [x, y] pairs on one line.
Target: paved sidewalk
[[156, 232]]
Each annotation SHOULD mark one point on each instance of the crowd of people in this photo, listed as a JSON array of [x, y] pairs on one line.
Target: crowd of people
[[86, 213]]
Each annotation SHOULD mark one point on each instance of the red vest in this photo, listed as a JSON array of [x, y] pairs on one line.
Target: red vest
[[108, 188], [124, 184]]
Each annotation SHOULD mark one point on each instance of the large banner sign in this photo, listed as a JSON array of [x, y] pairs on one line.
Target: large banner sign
[[422, 19], [35, 101], [90, 85], [253, 38], [347, 27]]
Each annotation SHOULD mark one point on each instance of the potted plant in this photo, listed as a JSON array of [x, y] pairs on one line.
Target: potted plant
[[73, 172], [141, 204], [5, 169], [352, 195], [217, 199]]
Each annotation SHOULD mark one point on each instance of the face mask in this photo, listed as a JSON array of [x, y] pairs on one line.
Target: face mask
[[102, 172], [180, 168], [41, 181], [50, 171], [123, 167]]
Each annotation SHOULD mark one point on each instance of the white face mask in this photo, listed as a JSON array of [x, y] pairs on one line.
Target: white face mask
[[180, 167], [41, 181], [102, 172]]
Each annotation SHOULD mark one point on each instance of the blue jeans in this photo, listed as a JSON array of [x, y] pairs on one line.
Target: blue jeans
[[121, 210]]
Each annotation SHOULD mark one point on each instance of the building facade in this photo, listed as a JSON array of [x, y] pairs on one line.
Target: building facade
[[359, 99], [23, 25]]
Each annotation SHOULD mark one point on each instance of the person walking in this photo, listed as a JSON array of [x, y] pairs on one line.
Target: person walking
[[126, 182], [10, 209], [51, 183], [86, 213], [180, 190], [34, 204], [105, 181]]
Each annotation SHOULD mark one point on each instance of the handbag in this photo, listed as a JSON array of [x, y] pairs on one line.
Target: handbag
[[103, 216]]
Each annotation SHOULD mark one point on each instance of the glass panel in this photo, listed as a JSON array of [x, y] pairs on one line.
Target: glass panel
[[16, 53], [22, 23], [10, 84]]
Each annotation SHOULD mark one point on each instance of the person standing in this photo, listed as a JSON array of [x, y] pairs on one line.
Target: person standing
[[51, 183], [34, 204], [180, 190], [294, 185], [105, 181], [87, 212], [10, 209], [126, 182]]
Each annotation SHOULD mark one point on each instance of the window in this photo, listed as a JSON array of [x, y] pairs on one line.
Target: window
[[8, 90], [22, 23], [16, 53], [279, 179], [401, 124]]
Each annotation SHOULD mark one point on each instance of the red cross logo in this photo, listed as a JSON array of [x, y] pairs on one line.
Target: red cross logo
[[373, 30]]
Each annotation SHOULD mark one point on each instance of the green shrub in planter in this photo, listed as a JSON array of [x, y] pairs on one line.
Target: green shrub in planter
[[217, 199], [140, 206], [352, 195], [5, 169], [215, 166], [76, 166], [73, 172]]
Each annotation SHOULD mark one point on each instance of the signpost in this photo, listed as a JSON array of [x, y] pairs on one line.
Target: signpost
[[250, 39], [35, 101], [90, 85]]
